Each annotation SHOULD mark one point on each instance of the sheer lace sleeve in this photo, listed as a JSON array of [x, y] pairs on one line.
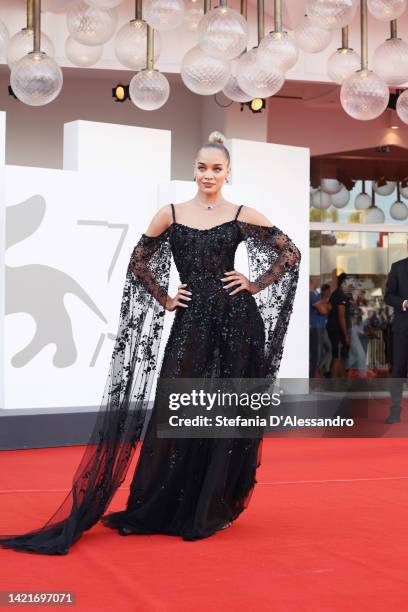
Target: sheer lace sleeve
[[147, 265], [121, 417], [274, 262]]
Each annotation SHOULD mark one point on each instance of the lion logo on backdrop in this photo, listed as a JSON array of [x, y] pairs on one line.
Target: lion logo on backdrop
[[38, 290]]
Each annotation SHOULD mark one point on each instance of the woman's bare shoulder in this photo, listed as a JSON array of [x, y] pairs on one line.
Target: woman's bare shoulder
[[181, 205], [161, 220], [248, 214]]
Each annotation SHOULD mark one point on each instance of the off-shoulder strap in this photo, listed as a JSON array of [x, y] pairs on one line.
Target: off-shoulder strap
[[173, 211], [238, 211]]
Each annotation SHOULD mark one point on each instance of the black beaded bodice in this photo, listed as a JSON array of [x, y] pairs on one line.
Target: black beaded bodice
[[202, 256]]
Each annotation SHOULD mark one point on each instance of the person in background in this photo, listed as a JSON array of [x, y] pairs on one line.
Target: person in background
[[396, 295], [357, 358], [338, 327], [323, 307], [313, 333], [319, 307]]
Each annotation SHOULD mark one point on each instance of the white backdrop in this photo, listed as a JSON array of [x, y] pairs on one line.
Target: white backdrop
[[70, 234], [2, 249]]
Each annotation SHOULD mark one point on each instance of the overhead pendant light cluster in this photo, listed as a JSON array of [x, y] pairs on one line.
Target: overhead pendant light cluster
[[332, 192], [221, 61]]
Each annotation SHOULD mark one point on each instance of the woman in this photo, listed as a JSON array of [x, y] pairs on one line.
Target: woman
[[186, 487]]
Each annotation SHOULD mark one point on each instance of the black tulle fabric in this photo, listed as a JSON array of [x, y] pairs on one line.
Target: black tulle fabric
[[186, 487]]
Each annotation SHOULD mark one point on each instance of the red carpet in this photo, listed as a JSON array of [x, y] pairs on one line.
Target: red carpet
[[326, 529]]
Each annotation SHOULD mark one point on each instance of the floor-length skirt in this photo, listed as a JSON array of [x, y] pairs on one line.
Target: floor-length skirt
[[193, 487]]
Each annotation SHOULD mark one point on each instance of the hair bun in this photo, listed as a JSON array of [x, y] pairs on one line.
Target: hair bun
[[216, 137]]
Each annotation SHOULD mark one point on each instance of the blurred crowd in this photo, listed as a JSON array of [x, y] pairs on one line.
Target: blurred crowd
[[349, 334]]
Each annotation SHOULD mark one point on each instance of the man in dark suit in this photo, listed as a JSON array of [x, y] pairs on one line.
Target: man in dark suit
[[396, 295]]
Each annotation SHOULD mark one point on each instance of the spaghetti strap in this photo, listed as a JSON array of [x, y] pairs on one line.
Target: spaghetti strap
[[173, 211], [238, 211]]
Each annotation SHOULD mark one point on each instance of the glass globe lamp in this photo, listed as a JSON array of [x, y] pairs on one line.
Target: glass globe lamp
[[223, 33], [164, 15], [330, 185], [402, 107], [341, 198], [149, 89], [373, 215], [36, 79], [131, 44], [89, 25], [232, 90], [278, 49], [390, 61], [362, 201], [257, 80], [310, 38], [193, 14], [404, 191], [399, 211], [385, 190], [331, 14], [321, 199], [82, 55], [364, 95], [341, 64], [203, 74], [22, 43], [386, 10]]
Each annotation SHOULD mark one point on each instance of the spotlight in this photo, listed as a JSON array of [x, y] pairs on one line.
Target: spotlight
[[256, 105], [120, 93], [11, 92], [392, 102]]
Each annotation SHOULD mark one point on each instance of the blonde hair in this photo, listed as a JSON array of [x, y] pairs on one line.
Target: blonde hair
[[216, 141]]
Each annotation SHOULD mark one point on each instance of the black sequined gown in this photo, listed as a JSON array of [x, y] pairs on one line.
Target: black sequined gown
[[186, 487], [194, 487]]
